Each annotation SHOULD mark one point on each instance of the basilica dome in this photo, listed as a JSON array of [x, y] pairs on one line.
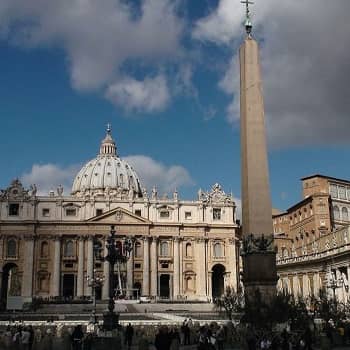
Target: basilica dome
[[107, 174]]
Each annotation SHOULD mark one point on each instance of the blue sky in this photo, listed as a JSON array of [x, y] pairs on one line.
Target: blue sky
[[165, 75]]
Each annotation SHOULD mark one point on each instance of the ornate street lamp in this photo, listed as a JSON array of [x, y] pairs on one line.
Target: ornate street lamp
[[95, 280], [117, 253]]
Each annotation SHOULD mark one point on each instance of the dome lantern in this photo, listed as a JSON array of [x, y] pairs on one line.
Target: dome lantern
[[108, 146]]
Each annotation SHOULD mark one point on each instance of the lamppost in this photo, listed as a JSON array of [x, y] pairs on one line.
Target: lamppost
[[95, 281], [116, 253]]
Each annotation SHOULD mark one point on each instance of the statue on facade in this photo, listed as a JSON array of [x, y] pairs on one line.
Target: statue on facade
[[144, 193], [33, 190], [175, 195], [60, 190], [154, 193]]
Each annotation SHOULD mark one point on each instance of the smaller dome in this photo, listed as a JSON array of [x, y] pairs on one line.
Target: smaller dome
[[107, 173]]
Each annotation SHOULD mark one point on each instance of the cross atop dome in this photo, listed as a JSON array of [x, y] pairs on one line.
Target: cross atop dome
[[108, 146]]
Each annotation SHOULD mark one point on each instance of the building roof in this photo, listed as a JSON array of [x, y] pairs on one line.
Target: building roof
[[325, 177]]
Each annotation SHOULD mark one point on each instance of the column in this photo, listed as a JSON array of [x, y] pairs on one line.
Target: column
[[90, 263], [56, 273], [340, 288], [176, 271], [154, 267], [181, 292], [145, 273], [80, 278], [27, 284], [106, 268], [233, 263], [200, 268], [130, 274]]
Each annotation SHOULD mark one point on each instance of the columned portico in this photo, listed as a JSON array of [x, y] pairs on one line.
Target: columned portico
[[145, 275], [154, 267], [80, 277], [27, 286], [90, 263], [56, 273], [106, 268], [200, 264], [129, 274], [176, 278]]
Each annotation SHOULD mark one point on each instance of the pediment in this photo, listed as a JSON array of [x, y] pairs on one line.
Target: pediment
[[119, 216]]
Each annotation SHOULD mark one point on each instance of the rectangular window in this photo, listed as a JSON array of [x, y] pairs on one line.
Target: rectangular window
[[71, 212], [99, 212], [164, 214], [14, 209], [165, 266], [333, 191], [216, 214], [342, 192], [138, 212], [137, 266], [46, 212], [188, 215]]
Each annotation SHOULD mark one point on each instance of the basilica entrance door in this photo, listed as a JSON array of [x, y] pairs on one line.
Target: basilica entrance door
[[218, 280], [68, 286], [164, 286], [10, 283]]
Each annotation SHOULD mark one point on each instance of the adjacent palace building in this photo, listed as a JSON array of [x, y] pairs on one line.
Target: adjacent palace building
[[313, 239], [182, 250]]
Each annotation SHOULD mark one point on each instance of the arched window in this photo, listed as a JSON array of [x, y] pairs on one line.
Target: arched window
[[336, 213], [69, 249], [138, 250], [188, 249], [11, 248], [164, 249], [345, 214], [217, 250], [44, 250]]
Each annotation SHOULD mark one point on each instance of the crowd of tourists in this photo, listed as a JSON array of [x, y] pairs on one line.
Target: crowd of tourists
[[189, 335]]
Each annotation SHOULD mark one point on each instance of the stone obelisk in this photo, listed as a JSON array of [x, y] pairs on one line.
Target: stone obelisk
[[258, 254]]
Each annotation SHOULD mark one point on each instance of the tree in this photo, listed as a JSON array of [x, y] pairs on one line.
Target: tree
[[232, 302], [329, 308]]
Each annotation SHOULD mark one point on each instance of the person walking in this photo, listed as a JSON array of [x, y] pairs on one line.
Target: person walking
[[77, 338], [129, 333], [25, 339], [162, 340]]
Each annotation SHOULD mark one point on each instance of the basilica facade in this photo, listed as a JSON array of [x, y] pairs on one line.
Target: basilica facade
[[182, 250]]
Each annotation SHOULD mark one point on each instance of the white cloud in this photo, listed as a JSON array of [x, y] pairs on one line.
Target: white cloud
[[149, 95], [305, 63], [153, 173], [48, 176], [221, 24], [98, 37]]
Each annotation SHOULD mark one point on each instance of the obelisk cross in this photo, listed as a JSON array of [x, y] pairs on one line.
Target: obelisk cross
[[247, 3], [248, 24]]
